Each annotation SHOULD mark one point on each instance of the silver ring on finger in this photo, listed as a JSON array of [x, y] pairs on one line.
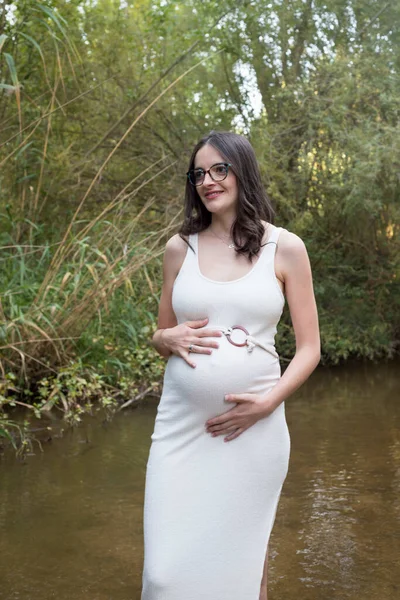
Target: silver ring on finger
[[191, 348]]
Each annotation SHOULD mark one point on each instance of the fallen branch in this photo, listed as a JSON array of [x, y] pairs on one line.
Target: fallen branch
[[136, 398]]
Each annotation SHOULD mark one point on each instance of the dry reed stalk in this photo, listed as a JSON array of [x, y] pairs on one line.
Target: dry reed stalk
[[60, 253], [101, 284], [119, 201], [106, 285], [79, 315], [40, 302], [40, 119], [34, 341], [24, 333], [42, 164]]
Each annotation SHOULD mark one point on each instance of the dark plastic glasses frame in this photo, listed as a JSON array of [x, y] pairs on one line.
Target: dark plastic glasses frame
[[193, 171]]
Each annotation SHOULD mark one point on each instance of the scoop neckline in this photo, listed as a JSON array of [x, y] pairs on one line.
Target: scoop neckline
[[231, 280]]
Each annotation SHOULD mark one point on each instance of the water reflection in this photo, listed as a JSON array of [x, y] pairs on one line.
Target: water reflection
[[343, 487], [71, 518]]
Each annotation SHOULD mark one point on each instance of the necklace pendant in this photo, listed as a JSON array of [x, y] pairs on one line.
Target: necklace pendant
[[231, 246]]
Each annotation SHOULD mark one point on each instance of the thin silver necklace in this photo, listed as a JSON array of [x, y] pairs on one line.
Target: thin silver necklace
[[222, 240]]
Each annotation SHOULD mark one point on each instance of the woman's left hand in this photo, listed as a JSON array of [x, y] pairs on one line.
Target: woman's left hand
[[250, 409]]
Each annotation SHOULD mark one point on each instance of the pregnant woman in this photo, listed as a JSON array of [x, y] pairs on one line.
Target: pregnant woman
[[220, 446]]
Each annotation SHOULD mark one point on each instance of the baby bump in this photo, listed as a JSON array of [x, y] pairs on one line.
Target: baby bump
[[229, 369]]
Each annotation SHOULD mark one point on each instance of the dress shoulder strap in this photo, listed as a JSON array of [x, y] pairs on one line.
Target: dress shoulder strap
[[191, 253], [273, 238], [190, 256], [269, 248], [193, 241]]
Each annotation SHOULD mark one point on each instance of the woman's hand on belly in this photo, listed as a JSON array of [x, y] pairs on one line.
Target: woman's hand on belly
[[250, 409], [190, 337]]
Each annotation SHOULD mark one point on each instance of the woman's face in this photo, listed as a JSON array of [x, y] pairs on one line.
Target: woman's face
[[217, 196]]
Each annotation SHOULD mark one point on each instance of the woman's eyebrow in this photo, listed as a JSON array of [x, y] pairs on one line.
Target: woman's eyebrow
[[219, 162]]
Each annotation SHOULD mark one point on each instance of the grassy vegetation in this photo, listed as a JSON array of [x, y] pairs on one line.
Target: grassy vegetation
[[99, 106], [78, 305], [76, 331]]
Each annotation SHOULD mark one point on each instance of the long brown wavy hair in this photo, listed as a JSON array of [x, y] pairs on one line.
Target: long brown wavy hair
[[253, 203]]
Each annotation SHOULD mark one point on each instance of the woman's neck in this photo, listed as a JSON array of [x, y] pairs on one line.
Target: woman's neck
[[222, 225]]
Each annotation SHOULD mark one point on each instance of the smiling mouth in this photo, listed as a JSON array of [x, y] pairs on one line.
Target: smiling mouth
[[212, 195]]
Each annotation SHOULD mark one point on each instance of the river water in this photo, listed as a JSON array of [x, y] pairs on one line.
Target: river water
[[71, 516]]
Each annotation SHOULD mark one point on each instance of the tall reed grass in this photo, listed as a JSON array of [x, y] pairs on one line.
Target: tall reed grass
[[77, 303]]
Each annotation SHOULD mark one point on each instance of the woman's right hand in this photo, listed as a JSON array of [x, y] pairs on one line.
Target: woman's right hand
[[178, 339]]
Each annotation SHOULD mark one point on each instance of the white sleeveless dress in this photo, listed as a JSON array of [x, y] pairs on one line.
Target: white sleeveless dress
[[210, 505]]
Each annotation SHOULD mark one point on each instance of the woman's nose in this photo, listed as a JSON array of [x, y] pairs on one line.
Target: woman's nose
[[207, 174]]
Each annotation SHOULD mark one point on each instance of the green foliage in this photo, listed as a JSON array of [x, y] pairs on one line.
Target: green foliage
[[55, 354], [91, 177], [16, 434]]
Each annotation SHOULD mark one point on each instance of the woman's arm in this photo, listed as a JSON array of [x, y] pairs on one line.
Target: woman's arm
[[174, 256], [171, 338], [293, 266]]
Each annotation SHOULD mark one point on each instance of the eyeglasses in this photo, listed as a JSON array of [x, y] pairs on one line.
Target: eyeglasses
[[217, 172]]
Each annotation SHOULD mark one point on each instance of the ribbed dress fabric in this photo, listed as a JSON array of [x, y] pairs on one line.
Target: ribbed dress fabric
[[210, 505]]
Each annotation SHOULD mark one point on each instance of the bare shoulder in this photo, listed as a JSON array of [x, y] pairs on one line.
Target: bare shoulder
[[291, 244], [176, 246], [174, 255], [291, 253]]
